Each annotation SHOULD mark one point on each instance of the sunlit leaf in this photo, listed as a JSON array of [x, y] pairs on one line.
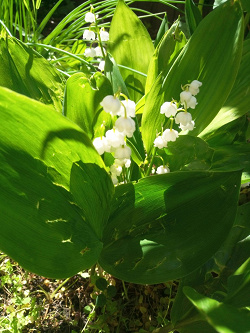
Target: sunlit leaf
[[43, 155], [26, 72]]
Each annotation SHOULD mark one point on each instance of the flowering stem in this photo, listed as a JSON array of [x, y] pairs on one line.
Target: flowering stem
[[99, 40], [151, 163]]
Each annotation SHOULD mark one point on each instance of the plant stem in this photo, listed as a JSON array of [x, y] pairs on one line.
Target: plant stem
[[151, 163]]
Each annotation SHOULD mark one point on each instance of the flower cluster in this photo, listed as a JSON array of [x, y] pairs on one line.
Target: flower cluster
[[114, 140], [179, 115], [99, 36]]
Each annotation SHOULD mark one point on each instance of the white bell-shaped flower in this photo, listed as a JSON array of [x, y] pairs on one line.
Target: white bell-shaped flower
[[192, 103], [160, 142], [104, 35], [111, 104], [183, 118], [98, 51], [90, 52], [170, 135], [169, 109], [185, 96], [101, 145], [114, 179], [116, 169], [130, 108], [125, 126], [189, 126], [90, 17], [101, 65], [123, 152], [194, 87], [162, 169], [88, 35], [115, 138]]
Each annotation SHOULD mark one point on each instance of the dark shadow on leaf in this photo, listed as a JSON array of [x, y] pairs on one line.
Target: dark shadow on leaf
[[65, 134]]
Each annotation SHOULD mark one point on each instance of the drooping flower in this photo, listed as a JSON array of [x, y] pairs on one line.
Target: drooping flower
[[130, 108], [116, 169], [194, 87], [101, 65], [90, 17], [104, 35], [169, 109], [192, 103], [90, 52], [101, 145], [123, 152], [189, 126], [98, 51], [160, 142], [125, 126], [170, 135], [111, 104], [115, 138], [88, 35], [185, 96], [183, 118], [162, 170]]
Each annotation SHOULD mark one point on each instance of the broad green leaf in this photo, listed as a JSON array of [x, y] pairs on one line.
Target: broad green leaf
[[222, 317], [165, 226], [97, 191], [83, 97], [222, 30], [42, 157], [167, 49], [239, 286], [131, 46], [232, 157], [26, 72], [193, 15], [189, 153], [227, 259], [238, 101]]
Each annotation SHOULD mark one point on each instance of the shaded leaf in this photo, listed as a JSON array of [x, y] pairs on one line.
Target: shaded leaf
[[163, 217]]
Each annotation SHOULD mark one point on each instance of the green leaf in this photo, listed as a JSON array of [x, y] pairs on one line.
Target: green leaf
[[42, 154], [83, 97], [224, 318], [101, 283], [232, 157], [189, 153], [238, 101], [239, 286], [222, 30], [131, 46], [26, 72], [162, 30], [157, 226], [167, 49], [193, 15]]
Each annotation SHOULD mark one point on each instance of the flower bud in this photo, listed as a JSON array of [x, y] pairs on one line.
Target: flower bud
[[162, 170], [194, 87]]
